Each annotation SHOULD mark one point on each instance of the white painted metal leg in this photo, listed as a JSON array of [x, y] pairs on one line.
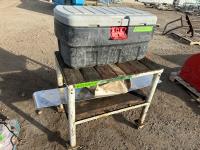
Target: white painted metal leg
[[60, 82], [60, 108], [154, 84], [70, 98], [71, 115]]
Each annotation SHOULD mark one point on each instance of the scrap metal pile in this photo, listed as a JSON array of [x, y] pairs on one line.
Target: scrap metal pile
[[185, 28], [188, 6]]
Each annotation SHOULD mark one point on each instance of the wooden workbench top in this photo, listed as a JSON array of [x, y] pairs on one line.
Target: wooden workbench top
[[89, 76]]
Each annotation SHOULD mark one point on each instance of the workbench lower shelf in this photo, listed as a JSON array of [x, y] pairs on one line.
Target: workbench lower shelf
[[90, 108]]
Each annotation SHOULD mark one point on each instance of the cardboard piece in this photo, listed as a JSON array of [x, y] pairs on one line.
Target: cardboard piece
[[112, 88]]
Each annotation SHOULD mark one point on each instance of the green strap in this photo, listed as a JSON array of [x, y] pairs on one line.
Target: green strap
[[143, 29], [95, 83], [86, 84], [1, 137]]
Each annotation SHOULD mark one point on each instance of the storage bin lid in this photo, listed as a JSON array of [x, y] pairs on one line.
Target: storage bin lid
[[93, 16]]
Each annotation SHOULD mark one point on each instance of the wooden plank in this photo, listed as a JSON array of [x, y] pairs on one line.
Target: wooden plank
[[127, 68], [117, 70], [72, 76], [139, 66], [195, 43], [188, 86], [89, 108], [90, 74], [105, 72], [182, 36], [192, 91], [150, 64]]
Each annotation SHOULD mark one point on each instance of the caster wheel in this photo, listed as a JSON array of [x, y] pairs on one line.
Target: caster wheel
[[38, 112], [60, 109], [138, 124]]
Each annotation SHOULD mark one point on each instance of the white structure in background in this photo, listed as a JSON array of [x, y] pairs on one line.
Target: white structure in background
[[171, 2], [185, 2]]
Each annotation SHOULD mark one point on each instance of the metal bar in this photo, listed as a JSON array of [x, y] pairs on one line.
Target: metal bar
[[69, 96], [172, 29], [147, 73], [152, 91], [119, 78], [71, 115], [60, 82], [110, 113], [181, 21], [165, 32], [190, 26], [59, 74]]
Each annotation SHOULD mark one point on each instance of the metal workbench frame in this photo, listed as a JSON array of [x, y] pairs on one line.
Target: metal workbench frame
[[70, 98]]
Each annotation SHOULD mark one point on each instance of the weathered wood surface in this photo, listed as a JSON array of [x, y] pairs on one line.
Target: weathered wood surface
[[85, 109], [139, 66], [104, 72], [71, 76], [90, 74], [127, 68], [188, 86], [117, 70], [182, 36]]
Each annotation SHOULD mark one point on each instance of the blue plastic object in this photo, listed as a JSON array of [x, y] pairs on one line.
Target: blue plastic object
[[77, 2]]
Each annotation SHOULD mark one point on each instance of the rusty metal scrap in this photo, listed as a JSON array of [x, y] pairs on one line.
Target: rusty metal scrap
[[186, 22]]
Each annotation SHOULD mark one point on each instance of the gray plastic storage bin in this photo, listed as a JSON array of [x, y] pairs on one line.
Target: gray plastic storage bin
[[89, 36]]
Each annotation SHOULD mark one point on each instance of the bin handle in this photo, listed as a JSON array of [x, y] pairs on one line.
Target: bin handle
[[127, 18]]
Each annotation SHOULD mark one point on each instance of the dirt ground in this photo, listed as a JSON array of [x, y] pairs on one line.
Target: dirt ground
[[27, 45]]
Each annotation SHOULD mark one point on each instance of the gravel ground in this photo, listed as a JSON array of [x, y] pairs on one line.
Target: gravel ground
[[27, 45]]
